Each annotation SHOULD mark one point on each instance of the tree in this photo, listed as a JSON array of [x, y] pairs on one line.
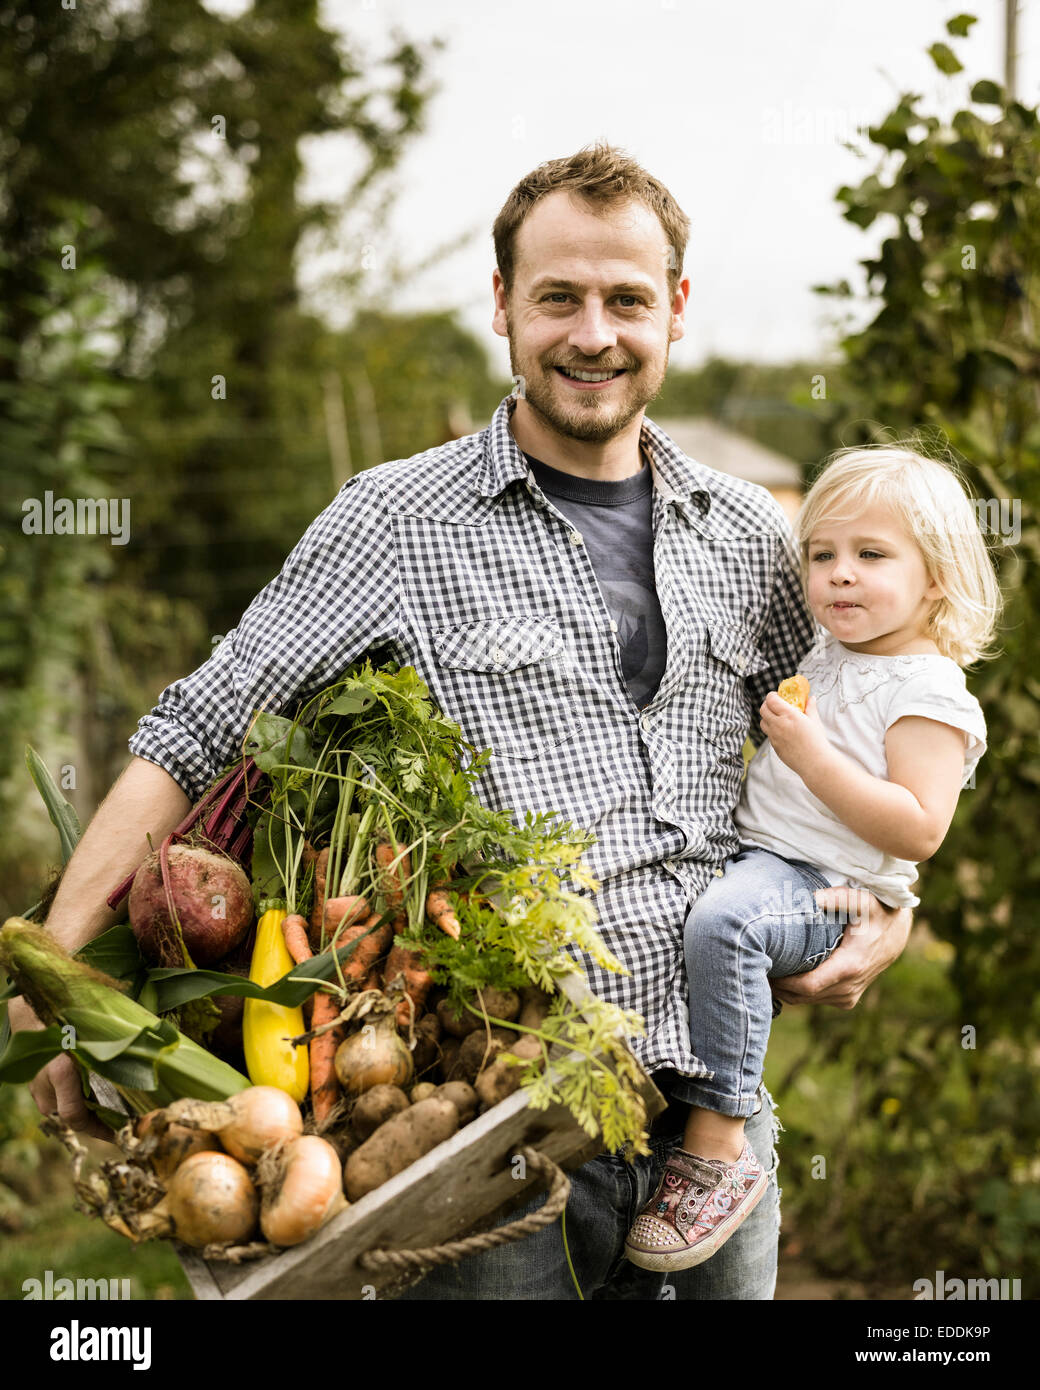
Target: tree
[[952, 348]]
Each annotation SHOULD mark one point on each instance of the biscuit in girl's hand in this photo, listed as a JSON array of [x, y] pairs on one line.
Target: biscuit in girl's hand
[[795, 690]]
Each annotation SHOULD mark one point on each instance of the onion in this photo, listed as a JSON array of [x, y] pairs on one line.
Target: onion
[[375, 1056], [249, 1123], [172, 1144], [211, 1198], [302, 1187]]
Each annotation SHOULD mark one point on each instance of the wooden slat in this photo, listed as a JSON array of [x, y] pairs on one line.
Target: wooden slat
[[464, 1183]]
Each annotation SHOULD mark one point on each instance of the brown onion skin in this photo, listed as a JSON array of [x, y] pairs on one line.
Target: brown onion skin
[[177, 1144], [281, 1120], [211, 1199], [370, 1059], [196, 876], [310, 1192]]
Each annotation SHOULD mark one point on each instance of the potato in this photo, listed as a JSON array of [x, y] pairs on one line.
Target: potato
[[398, 1143], [449, 1048], [423, 1091], [534, 1006], [458, 1025], [475, 1051], [496, 1003], [426, 1052], [374, 1107], [462, 1096], [502, 1078]]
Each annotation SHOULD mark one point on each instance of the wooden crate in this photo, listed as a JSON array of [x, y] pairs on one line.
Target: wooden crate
[[464, 1183]]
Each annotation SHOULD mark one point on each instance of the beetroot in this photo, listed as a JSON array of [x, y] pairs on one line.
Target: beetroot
[[213, 899]]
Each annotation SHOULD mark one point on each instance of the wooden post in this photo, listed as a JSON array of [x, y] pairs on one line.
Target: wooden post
[[1010, 49], [336, 429]]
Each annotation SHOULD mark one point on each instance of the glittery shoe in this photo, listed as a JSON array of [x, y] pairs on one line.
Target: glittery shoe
[[698, 1205]]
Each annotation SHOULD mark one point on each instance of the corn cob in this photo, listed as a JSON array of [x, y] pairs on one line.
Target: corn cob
[[148, 1061]]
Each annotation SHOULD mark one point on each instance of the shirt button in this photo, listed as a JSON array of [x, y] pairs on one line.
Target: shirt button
[[646, 723], [576, 538], [669, 864], [499, 655], [719, 873], [741, 662], [613, 625]]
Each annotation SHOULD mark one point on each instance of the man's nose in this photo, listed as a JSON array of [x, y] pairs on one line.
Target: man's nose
[[591, 332]]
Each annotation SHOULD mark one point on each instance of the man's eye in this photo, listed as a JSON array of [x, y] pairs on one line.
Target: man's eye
[[558, 294], [634, 297]]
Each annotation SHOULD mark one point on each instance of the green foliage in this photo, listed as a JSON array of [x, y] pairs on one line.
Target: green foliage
[[378, 735], [952, 350]]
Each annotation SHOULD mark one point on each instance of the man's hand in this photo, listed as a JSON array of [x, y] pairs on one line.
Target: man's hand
[[57, 1089], [875, 936]]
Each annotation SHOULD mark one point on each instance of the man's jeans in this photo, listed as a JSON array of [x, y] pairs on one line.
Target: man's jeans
[[760, 919], [607, 1195]]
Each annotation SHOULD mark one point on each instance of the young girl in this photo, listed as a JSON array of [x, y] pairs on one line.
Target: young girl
[[856, 789]]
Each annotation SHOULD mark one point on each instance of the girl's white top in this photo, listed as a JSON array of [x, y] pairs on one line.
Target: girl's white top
[[858, 697]]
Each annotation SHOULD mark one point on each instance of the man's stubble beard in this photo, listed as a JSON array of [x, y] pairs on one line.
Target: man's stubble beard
[[587, 422]]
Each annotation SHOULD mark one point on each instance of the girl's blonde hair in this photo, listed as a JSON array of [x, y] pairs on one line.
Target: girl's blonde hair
[[931, 500]]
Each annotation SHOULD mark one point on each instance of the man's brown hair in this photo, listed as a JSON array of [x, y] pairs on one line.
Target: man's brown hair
[[598, 173]]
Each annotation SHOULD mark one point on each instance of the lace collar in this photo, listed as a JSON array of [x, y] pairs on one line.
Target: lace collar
[[830, 666]]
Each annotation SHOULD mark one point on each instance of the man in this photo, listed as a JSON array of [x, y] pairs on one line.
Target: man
[[604, 613]]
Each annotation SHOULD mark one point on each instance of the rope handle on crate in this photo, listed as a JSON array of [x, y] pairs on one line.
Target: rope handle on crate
[[454, 1250]]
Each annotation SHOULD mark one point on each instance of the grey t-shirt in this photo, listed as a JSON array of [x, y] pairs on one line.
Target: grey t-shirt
[[615, 521]]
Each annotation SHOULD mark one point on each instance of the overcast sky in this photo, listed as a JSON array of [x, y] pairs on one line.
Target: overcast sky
[[737, 107]]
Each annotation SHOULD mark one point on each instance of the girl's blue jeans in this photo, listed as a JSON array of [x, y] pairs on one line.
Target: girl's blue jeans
[[759, 920]]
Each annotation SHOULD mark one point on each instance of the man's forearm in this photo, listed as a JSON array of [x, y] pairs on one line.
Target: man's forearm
[[144, 801]]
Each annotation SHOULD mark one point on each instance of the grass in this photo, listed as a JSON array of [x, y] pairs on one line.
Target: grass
[[74, 1247]]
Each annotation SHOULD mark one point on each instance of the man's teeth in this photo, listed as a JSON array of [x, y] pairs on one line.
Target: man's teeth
[[591, 376]]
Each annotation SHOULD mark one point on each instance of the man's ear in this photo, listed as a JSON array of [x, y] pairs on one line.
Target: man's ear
[[680, 299], [498, 290]]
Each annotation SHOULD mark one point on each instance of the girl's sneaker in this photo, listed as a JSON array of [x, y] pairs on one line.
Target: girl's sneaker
[[698, 1205]]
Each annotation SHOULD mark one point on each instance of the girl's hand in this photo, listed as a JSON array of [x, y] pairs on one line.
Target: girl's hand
[[798, 739]]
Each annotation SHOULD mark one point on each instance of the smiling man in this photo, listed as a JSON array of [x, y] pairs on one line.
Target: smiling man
[[605, 613]]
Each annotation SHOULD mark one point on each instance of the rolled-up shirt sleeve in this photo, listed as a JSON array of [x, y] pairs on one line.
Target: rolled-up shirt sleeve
[[336, 596]]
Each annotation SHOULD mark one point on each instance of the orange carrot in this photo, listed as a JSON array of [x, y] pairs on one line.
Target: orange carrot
[[417, 979], [391, 881], [324, 1008], [324, 1081], [294, 929], [340, 911], [321, 867], [369, 949], [440, 912]]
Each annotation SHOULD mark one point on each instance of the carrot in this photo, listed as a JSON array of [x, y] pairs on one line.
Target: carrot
[[294, 929], [392, 881], [369, 949], [417, 980], [321, 868], [324, 1008], [324, 1081], [343, 911], [440, 912]]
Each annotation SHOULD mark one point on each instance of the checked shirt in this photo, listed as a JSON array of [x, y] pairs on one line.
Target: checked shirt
[[454, 562]]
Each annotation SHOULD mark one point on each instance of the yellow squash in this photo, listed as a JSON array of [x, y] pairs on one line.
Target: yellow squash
[[271, 1060]]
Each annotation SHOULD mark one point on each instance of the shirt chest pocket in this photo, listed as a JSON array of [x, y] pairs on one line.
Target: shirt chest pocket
[[506, 682], [723, 707]]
